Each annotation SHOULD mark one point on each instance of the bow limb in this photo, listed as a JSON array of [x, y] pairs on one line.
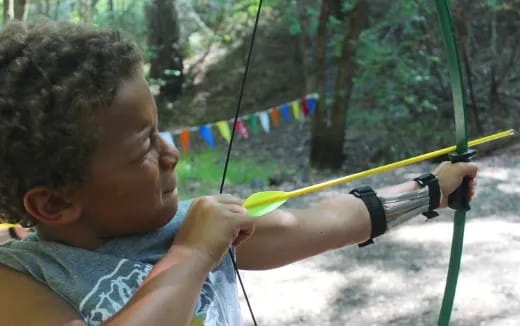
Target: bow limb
[[459, 201]]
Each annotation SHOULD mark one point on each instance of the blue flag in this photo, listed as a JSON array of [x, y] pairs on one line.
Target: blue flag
[[205, 131], [285, 112], [311, 104]]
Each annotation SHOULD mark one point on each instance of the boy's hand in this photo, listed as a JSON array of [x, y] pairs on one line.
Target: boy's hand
[[213, 224], [450, 177]]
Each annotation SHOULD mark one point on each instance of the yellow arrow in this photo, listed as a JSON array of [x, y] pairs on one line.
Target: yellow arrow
[[264, 202], [7, 225]]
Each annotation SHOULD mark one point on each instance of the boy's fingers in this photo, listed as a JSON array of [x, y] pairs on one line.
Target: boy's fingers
[[243, 236], [229, 199], [470, 169]]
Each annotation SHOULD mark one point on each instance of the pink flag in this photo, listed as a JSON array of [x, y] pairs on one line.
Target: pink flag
[[242, 129]]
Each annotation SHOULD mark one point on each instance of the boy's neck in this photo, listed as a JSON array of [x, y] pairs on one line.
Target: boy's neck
[[72, 234]]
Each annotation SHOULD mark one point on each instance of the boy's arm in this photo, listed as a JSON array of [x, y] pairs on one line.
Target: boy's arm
[[25, 301], [285, 236], [171, 289], [169, 293]]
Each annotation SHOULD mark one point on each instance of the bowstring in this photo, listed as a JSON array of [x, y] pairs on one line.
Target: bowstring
[[228, 155]]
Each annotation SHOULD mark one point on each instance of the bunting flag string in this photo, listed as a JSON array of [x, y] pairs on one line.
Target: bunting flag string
[[223, 127], [305, 108], [254, 123], [205, 131], [286, 114], [275, 116], [242, 129], [168, 137], [185, 139], [298, 110], [264, 121]]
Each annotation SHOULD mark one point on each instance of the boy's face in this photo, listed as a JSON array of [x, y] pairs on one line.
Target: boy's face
[[131, 184]]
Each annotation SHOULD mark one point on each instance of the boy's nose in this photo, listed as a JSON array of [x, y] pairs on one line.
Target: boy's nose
[[169, 155]]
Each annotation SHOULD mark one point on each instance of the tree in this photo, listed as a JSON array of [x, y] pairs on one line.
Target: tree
[[8, 10], [21, 9], [166, 63], [329, 123], [16, 9]]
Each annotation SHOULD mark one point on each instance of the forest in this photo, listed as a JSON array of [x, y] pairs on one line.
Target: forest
[[378, 66], [371, 80]]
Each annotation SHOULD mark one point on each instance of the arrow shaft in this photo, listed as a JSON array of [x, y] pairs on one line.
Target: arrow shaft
[[394, 165], [359, 175]]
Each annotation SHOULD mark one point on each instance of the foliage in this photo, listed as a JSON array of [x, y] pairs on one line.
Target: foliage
[[401, 89], [200, 173]]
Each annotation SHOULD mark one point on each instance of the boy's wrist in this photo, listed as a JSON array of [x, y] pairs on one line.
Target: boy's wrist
[[181, 253], [198, 263]]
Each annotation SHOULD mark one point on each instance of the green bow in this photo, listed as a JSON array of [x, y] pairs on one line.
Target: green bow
[[463, 154], [460, 204]]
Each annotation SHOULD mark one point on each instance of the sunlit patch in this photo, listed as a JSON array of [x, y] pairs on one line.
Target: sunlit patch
[[509, 188], [501, 174]]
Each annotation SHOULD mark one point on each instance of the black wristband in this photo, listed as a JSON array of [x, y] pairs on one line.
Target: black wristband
[[375, 209], [434, 192]]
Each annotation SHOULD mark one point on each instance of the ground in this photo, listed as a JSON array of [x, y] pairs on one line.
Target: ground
[[400, 279]]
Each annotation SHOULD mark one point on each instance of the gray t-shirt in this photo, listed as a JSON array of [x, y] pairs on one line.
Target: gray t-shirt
[[100, 282]]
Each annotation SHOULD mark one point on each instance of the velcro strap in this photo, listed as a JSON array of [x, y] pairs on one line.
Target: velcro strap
[[434, 192], [375, 209]]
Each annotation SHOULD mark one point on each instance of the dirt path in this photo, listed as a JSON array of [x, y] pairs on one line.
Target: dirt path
[[400, 280]]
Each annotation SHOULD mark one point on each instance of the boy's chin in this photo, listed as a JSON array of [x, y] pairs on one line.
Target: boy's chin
[[169, 214]]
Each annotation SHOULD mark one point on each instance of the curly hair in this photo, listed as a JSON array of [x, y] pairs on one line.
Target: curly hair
[[55, 76]]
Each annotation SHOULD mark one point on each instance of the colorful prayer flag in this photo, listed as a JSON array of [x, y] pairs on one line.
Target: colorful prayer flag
[[205, 132], [223, 127], [311, 104], [242, 129], [264, 121], [185, 139], [285, 113], [305, 107], [275, 116], [296, 110], [254, 123], [168, 137]]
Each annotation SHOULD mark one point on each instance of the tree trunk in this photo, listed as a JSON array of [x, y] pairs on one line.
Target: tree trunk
[[494, 97], [47, 7], [327, 142], [320, 122], [305, 45], [8, 10], [463, 27], [163, 38], [57, 9], [21, 9]]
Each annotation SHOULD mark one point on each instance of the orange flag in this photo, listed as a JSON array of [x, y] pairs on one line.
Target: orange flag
[[275, 115], [185, 139]]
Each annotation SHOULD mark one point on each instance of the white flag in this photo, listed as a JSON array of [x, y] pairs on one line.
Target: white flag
[[264, 121], [168, 137]]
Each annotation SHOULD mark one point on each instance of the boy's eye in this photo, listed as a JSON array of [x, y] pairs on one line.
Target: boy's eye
[[151, 140]]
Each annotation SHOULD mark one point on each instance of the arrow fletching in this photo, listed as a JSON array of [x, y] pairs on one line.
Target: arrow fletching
[[264, 202]]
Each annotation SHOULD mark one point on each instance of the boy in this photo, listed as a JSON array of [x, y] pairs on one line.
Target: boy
[[82, 162]]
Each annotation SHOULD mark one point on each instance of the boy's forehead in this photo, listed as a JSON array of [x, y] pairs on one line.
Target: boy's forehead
[[132, 112]]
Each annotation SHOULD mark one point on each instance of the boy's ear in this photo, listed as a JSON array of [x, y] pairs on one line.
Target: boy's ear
[[51, 206]]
